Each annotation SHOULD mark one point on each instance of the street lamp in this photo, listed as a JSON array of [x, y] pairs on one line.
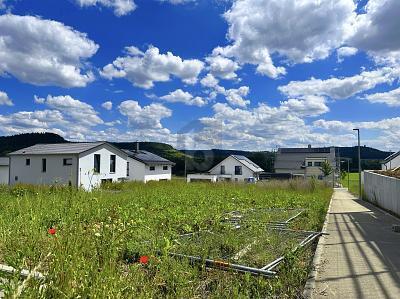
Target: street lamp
[[359, 163]]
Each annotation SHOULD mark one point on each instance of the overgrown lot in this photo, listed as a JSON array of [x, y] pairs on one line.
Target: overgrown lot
[[99, 236]]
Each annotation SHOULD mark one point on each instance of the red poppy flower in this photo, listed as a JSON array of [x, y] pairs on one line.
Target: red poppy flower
[[52, 231], [144, 259]]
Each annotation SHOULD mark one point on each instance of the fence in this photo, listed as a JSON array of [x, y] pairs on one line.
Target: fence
[[383, 191]]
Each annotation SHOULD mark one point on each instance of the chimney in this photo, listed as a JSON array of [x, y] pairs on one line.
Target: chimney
[[309, 146], [137, 146]]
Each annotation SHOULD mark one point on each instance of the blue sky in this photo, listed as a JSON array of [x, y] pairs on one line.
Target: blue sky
[[242, 74]]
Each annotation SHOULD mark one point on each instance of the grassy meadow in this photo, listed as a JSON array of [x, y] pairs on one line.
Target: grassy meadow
[[97, 238]]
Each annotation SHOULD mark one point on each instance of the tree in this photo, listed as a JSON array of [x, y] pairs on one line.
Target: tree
[[326, 168], [343, 175]]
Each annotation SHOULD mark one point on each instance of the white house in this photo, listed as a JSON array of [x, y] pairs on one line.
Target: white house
[[85, 165], [391, 162], [4, 170], [233, 168], [145, 166]]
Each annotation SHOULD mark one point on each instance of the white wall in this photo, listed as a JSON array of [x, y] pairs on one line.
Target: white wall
[[158, 173], [88, 179], [230, 164], [392, 164], [383, 191], [136, 170], [55, 173], [3, 174]]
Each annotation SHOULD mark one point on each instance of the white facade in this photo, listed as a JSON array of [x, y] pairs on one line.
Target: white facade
[[392, 162], [88, 179], [77, 171], [230, 163], [139, 171], [4, 170], [230, 169]]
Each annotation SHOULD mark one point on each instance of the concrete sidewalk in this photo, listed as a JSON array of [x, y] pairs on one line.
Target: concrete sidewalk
[[361, 256]]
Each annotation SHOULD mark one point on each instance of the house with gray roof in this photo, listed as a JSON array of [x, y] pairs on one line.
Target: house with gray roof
[[391, 162], [304, 162], [85, 164], [233, 168], [145, 166]]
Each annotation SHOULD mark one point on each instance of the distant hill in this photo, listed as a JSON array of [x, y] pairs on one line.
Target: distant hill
[[9, 144], [196, 160], [370, 157]]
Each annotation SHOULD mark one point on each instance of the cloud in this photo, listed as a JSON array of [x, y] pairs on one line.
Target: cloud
[[345, 52], [142, 69], [44, 52], [341, 88], [222, 67], [76, 111], [235, 96], [4, 99], [184, 97], [107, 105], [306, 107], [377, 30], [120, 7], [297, 31], [390, 98], [147, 117], [209, 81]]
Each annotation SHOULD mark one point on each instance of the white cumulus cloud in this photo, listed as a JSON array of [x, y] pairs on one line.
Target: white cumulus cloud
[[390, 98], [180, 96], [142, 69], [146, 117], [120, 7], [4, 99], [107, 105], [44, 52], [345, 52]]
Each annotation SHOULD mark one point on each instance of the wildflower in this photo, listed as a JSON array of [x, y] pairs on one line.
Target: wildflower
[[52, 231], [97, 234], [144, 259]]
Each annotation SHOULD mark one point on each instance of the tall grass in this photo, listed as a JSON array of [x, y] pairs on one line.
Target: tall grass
[[98, 234]]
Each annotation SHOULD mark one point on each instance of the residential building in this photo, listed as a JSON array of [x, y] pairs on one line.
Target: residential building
[[233, 168], [84, 165], [4, 170], [304, 162], [391, 162], [145, 166]]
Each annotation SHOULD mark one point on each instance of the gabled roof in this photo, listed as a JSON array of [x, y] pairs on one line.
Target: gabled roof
[[147, 158], [391, 157], [60, 148], [244, 161], [4, 161], [248, 163]]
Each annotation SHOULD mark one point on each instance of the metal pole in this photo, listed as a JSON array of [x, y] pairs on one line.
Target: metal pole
[[359, 164]]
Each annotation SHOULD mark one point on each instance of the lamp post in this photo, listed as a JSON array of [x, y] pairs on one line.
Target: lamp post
[[359, 164]]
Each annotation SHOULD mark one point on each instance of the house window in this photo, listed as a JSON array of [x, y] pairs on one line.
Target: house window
[[222, 169], [67, 161], [44, 165], [96, 167], [309, 164], [152, 168], [318, 164], [238, 170], [112, 163], [28, 162], [127, 168], [165, 167]]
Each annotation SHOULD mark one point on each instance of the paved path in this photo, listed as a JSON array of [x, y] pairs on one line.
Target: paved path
[[361, 256]]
